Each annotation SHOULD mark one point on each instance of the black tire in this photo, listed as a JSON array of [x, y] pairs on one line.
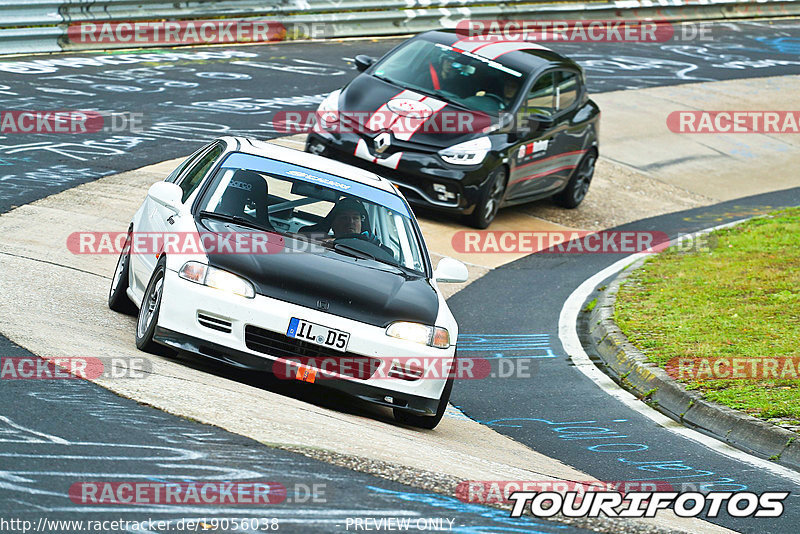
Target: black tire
[[489, 200], [117, 297], [148, 311], [577, 187], [426, 421]]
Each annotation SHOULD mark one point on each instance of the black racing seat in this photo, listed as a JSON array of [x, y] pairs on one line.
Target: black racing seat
[[247, 189]]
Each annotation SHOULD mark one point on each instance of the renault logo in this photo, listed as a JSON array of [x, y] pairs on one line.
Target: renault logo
[[382, 142]]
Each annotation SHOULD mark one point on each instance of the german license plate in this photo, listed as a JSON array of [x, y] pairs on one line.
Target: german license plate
[[318, 334]]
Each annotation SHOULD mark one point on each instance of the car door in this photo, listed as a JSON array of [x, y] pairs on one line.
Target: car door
[[157, 219], [531, 170], [569, 132]]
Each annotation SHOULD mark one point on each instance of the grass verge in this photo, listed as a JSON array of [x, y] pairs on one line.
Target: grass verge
[[699, 312]]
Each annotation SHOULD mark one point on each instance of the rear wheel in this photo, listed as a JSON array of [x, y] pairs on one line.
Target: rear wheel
[[489, 200], [426, 421], [148, 311], [578, 184], [117, 296]]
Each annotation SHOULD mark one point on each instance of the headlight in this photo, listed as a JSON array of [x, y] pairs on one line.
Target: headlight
[[200, 273], [468, 153], [433, 336], [328, 110]]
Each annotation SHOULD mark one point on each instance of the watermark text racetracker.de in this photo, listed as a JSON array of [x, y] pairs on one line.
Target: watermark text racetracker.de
[[582, 31], [70, 122], [196, 32], [573, 242], [734, 122], [407, 368], [734, 368], [172, 243], [61, 368], [196, 493]]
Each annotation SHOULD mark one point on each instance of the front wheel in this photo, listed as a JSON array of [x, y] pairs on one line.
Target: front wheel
[[148, 311], [423, 421], [489, 200], [578, 184]]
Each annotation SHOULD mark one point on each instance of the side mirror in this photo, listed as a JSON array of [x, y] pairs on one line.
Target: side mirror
[[363, 62], [167, 194], [450, 270], [539, 123]]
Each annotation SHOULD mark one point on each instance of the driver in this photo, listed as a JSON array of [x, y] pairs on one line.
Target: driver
[[347, 218], [450, 76]]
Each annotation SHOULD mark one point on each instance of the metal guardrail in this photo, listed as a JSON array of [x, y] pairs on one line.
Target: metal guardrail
[[28, 26]]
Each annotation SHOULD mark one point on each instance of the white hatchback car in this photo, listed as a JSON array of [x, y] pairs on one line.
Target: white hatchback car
[[273, 259]]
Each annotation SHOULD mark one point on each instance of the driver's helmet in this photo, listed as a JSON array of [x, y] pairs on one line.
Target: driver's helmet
[[349, 204], [455, 62]]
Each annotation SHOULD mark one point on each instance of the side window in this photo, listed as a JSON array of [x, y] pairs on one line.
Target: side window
[[173, 176], [566, 89], [195, 175], [541, 96]]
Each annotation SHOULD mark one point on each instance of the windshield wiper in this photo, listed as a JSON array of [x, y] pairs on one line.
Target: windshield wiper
[[352, 251], [241, 221], [385, 79]]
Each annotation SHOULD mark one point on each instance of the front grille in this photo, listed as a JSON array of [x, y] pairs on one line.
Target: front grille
[[215, 323], [282, 346]]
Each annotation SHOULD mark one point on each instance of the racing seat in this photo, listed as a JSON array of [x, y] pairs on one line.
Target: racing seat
[[247, 189]]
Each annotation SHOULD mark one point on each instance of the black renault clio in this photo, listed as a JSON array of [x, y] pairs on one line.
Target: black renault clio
[[466, 124]]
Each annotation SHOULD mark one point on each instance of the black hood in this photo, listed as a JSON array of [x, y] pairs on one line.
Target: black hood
[[362, 290], [366, 94]]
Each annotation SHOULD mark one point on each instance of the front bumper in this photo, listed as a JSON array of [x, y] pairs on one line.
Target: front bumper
[[422, 177], [212, 323]]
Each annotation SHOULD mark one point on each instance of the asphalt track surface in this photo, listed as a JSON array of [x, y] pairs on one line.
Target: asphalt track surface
[[61, 432], [189, 96]]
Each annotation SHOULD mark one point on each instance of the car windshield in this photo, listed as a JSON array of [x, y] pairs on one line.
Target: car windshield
[[345, 216], [463, 78]]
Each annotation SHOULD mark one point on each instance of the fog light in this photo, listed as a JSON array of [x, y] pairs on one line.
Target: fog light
[[442, 192]]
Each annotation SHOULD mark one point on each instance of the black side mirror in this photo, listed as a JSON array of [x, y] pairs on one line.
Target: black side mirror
[[363, 62]]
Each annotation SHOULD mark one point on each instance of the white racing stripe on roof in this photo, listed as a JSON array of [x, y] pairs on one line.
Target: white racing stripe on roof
[[471, 43], [495, 50]]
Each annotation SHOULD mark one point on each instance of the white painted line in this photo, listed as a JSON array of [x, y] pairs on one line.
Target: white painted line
[[568, 333], [48, 437]]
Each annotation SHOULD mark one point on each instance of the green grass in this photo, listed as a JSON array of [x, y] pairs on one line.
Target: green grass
[[739, 299]]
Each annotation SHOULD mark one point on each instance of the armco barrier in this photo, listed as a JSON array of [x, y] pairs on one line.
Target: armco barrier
[[28, 26]]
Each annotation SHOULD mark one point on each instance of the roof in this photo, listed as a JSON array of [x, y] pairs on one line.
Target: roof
[[312, 161], [517, 54]]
